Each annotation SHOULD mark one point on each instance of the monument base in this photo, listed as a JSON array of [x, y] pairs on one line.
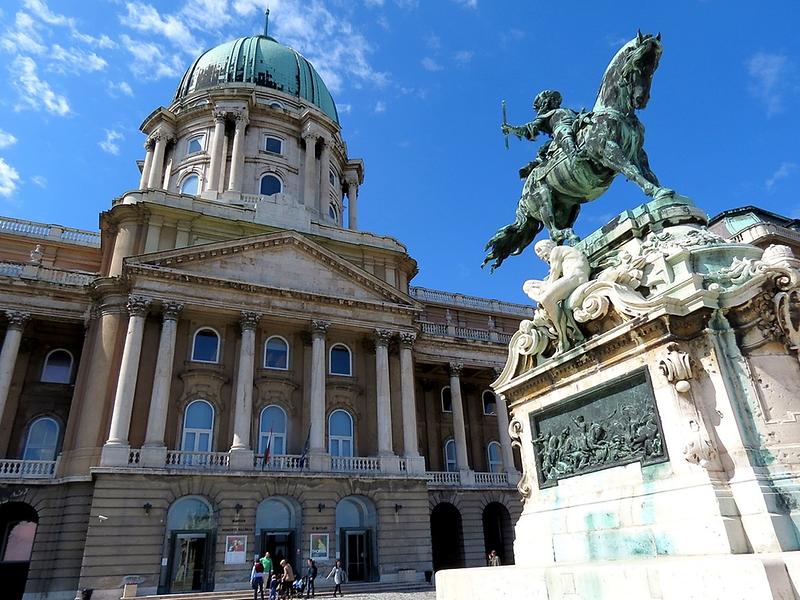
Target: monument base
[[727, 577]]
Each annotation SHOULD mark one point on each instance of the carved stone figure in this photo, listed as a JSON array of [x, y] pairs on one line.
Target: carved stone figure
[[569, 268], [610, 140]]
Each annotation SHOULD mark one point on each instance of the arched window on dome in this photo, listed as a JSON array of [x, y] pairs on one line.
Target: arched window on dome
[[340, 360], [273, 144], [57, 367], [190, 185], [276, 105], [205, 346], [270, 185], [195, 144], [333, 212]]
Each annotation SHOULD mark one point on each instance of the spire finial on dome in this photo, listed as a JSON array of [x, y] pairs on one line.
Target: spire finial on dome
[[266, 21]]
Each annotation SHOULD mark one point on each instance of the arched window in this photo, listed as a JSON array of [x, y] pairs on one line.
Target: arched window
[[57, 367], [190, 513], [198, 427], [276, 105], [340, 362], [333, 213], [273, 144], [270, 185], [276, 353], [195, 144], [450, 456], [340, 433], [190, 185], [205, 347], [272, 426], [41, 442], [495, 456], [447, 399], [489, 402]]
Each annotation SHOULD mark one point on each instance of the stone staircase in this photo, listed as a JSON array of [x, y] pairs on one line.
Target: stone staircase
[[350, 589]]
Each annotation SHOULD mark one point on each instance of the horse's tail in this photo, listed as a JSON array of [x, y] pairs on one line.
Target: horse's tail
[[512, 239]]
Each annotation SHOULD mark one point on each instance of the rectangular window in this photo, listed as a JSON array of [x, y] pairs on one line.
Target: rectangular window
[[195, 144], [273, 144]]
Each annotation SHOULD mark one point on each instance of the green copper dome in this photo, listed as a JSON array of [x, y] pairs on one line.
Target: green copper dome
[[263, 61]]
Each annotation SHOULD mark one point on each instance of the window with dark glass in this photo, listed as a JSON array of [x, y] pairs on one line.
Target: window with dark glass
[[340, 360], [495, 456], [276, 353], [41, 442], [450, 456], [273, 144], [272, 431], [270, 185], [195, 145], [489, 403], [340, 433], [198, 427], [447, 400], [57, 367], [206, 346]]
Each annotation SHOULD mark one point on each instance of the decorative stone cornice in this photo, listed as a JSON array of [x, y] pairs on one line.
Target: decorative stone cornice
[[138, 306], [382, 337], [319, 328], [407, 339], [171, 311], [455, 369], [17, 319], [249, 320]]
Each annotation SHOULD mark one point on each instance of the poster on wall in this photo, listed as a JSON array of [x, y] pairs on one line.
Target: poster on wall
[[235, 549], [319, 546]]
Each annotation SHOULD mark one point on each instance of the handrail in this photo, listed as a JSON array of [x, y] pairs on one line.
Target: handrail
[[27, 469]]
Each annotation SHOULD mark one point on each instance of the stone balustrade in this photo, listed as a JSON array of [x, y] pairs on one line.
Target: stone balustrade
[[279, 462], [27, 469], [467, 333], [470, 302], [181, 459], [33, 272], [53, 232], [356, 464]]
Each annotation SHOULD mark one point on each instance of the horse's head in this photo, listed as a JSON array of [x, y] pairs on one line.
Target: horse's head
[[626, 82]]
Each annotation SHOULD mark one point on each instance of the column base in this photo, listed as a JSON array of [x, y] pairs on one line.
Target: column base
[[467, 477], [415, 464], [514, 476], [390, 463], [240, 460], [154, 457], [319, 462], [115, 455]]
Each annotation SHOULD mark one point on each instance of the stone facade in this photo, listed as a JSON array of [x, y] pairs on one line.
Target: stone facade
[[223, 359]]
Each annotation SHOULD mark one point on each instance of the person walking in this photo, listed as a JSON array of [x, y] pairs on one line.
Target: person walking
[[311, 575], [266, 561], [273, 587], [494, 560], [287, 579], [257, 578], [339, 577]]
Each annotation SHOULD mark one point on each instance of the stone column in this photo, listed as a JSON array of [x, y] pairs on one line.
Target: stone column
[[324, 174], [459, 431], [310, 170], [502, 431], [156, 175], [124, 242], [414, 462], [237, 158], [8, 355], [352, 206], [154, 225], [241, 453], [154, 452], [217, 149], [317, 398], [115, 451], [148, 163], [383, 399]]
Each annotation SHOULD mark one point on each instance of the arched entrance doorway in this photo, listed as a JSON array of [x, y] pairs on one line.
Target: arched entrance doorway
[[355, 530], [18, 523], [447, 539], [190, 543], [498, 534], [277, 526]]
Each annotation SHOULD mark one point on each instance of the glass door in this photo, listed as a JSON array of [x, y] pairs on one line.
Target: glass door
[[280, 545], [188, 570], [356, 558]]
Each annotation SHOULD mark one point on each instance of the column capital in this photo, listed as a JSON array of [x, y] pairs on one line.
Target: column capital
[[171, 311], [149, 144], [407, 339], [138, 306], [456, 368], [17, 319], [382, 337], [310, 137], [249, 320], [219, 115], [319, 328], [241, 118]]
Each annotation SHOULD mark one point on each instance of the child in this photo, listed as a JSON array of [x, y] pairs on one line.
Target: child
[[273, 588], [339, 577]]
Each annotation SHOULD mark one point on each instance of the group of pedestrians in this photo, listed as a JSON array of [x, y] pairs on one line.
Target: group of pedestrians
[[282, 583]]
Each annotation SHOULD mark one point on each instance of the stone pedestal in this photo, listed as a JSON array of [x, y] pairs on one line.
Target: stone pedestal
[[240, 460], [153, 457]]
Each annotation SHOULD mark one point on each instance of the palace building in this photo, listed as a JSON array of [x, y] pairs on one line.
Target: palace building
[[230, 366]]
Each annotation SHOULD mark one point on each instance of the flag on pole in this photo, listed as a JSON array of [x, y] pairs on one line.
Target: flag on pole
[[267, 450], [304, 456]]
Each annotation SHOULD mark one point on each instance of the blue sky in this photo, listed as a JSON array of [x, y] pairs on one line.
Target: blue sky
[[418, 85]]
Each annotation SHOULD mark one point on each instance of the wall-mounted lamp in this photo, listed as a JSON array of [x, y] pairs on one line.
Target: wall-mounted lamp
[[238, 508], [320, 507], [147, 507], [397, 508]]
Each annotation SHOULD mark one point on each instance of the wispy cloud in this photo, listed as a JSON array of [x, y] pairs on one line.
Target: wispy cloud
[[109, 144], [119, 88], [784, 170], [6, 139], [462, 57], [151, 61], [380, 107], [9, 178], [430, 65], [473, 4], [767, 73], [39, 180], [34, 92], [145, 18], [344, 108], [75, 60]]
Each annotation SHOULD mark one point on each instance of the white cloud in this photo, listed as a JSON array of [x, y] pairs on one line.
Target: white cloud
[[9, 177], [380, 107], [34, 92], [767, 73], [373, 2], [344, 109], [462, 57], [110, 143], [430, 65], [39, 180], [101, 41], [23, 37], [6, 139], [467, 3], [39, 8], [433, 41], [75, 60], [784, 170], [116, 89], [150, 61], [145, 18]]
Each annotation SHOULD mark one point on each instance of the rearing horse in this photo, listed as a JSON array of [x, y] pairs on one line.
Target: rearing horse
[[610, 140]]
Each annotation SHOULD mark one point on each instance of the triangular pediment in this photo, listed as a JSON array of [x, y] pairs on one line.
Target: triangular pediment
[[285, 261]]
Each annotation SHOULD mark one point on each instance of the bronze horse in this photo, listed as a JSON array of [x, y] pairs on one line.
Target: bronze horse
[[610, 140]]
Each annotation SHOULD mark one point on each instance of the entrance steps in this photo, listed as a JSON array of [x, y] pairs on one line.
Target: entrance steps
[[350, 589]]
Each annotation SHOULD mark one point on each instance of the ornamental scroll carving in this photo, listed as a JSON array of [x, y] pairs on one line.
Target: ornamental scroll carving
[[676, 367]]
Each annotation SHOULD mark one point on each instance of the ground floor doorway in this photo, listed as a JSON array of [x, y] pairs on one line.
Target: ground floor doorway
[[189, 562], [280, 545], [447, 540], [18, 524], [498, 532], [355, 553]]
